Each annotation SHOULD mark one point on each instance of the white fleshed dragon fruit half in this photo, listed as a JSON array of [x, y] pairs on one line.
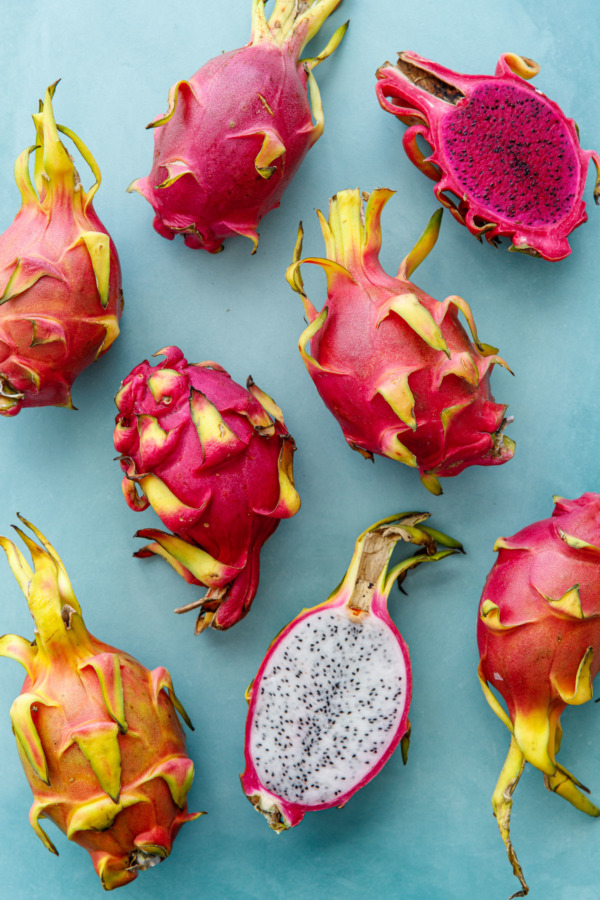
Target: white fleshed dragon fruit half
[[330, 702]]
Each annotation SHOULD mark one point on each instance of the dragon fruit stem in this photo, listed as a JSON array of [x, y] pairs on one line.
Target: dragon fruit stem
[[295, 23], [502, 805], [368, 577]]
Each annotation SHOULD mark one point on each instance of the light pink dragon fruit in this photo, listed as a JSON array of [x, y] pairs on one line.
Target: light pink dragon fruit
[[330, 702], [97, 733], [235, 134], [504, 149], [60, 280], [214, 461], [393, 365], [539, 642]]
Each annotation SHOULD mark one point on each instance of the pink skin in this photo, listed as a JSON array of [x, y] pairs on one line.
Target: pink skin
[[363, 345], [210, 179], [539, 641], [504, 149], [351, 341], [97, 733], [293, 813], [57, 315], [532, 563], [229, 499]]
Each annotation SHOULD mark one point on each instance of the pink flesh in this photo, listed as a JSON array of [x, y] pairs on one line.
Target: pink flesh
[[525, 167]]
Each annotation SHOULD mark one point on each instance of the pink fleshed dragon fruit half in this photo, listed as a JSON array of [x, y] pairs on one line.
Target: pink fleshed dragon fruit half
[[539, 641], [235, 134], [394, 366], [214, 461], [504, 149], [60, 279]]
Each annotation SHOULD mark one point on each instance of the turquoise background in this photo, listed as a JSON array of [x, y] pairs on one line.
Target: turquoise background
[[424, 832]]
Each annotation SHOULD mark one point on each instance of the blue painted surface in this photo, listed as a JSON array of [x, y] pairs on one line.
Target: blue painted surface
[[424, 832]]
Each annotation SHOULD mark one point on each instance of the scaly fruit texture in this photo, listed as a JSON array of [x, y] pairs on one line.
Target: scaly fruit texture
[[214, 461], [394, 366], [539, 642], [97, 733], [234, 135], [60, 279], [504, 149], [330, 702]]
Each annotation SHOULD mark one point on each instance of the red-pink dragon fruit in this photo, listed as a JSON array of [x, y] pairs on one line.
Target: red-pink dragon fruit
[[235, 134], [214, 461], [539, 642], [504, 149], [60, 280], [394, 366], [97, 733], [330, 702]]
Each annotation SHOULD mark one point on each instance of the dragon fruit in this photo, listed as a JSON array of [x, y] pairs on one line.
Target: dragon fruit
[[215, 463], [539, 642], [330, 702], [393, 365], [505, 151], [97, 733], [60, 280], [234, 135]]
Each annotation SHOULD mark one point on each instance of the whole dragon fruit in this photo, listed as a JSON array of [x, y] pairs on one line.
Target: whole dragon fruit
[[234, 135], [539, 641], [97, 733], [502, 147], [215, 463], [330, 702], [60, 280], [394, 366]]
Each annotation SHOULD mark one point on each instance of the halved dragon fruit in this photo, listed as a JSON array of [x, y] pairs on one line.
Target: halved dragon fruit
[[507, 153], [330, 702], [539, 642], [394, 366], [235, 134]]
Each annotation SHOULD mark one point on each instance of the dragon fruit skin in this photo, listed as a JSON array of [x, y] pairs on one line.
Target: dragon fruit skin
[[393, 365], [314, 733], [539, 642], [60, 279], [97, 733], [502, 147], [235, 134], [214, 461]]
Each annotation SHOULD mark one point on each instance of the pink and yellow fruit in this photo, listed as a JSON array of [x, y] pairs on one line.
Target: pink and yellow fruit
[[97, 733], [60, 279], [394, 366], [539, 642], [214, 461], [234, 135]]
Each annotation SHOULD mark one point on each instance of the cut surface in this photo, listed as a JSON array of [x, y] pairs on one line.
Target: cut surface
[[513, 153], [330, 703]]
